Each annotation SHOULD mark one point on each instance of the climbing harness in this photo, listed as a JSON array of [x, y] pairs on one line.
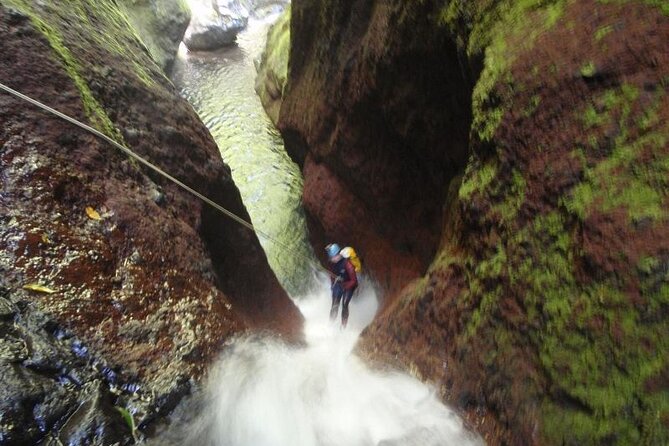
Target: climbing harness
[[158, 170]]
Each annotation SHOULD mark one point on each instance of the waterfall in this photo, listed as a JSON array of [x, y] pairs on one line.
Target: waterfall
[[263, 392]]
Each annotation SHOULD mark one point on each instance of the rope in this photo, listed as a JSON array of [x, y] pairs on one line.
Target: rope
[[156, 169]]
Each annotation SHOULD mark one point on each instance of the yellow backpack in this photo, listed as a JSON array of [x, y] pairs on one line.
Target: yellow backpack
[[350, 254]]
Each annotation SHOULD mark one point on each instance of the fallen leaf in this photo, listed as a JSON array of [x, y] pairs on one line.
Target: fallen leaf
[[92, 213], [45, 239], [39, 288]]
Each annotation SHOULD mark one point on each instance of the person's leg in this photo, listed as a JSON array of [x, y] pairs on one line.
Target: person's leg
[[344, 311], [337, 292]]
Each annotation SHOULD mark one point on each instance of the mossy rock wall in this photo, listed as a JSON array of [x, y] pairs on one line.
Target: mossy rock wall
[[111, 277], [543, 314], [273, 68], [543, 309], [376, 110]]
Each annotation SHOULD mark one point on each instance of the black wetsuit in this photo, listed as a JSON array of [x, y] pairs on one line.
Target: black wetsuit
[[344, 283]]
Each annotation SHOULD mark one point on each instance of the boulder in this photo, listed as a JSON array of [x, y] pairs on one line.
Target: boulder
[[161, 25], [217, 27]]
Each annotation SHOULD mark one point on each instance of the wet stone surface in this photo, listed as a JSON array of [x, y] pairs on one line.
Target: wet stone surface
[[135, 284], [41, 377]]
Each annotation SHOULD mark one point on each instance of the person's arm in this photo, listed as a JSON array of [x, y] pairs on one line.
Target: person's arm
[[352, 281]]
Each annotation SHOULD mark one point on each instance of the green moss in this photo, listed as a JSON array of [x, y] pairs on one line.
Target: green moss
[[587, 358], [92, 107], [100, 23], [620, 180], [273, 73], [120, 37], [602, 32], [591, 118], [513, 198], [588, 69], [648, 264], [499, 32], [589, 343], [663, 5], [278, 40], [535, 100], [476, 180]]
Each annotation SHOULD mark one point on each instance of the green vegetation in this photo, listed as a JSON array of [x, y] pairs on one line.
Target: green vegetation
[[278, 45], [129, 421], [589, 69], [513, 198], [273, 72], [620, 179], [499, 33], [599, 374], [92, 107], [533, 106], [476, 180], [663, 5], [591, 340], [595, 344], [73, 30], [603, 32]]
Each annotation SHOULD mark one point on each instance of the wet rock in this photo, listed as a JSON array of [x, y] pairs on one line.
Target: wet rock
[[161, 25], [387, 125], [7, 309], [176, 268], [21, 390], [273, 66], [217, 28], [545, 281], [95, 421], [56, 406], [12, 347]]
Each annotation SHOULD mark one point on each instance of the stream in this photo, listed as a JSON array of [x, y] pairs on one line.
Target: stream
[[219, 85], [263, 392]]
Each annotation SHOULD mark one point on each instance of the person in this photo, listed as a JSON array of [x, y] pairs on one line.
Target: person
[[343, 282]]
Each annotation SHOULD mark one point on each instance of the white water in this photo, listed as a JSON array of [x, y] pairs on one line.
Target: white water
[[265, 393]]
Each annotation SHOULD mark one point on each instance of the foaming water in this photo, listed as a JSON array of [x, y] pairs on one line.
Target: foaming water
[[263, 392]]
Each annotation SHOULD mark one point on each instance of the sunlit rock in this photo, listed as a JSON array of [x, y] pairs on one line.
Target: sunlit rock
[[218, 26], [160, 24]]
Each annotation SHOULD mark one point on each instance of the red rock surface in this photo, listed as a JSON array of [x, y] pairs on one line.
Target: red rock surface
[[542, 315], [371, 99], [160, 280]]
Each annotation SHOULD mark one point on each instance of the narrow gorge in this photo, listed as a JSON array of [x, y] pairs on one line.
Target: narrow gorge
[[501, 167]]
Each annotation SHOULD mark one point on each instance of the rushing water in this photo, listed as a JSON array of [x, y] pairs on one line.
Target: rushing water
[[219, 85], [263, 392]]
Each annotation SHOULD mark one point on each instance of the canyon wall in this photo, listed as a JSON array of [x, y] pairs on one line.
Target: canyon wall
[[514, 155], [117, 287], [375, 110]]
